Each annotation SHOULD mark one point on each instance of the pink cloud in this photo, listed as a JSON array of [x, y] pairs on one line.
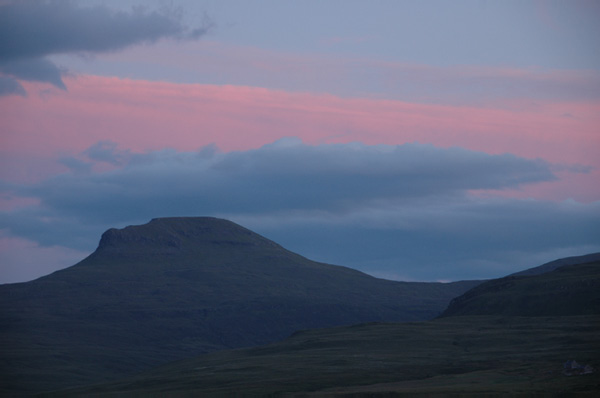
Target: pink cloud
[[344, 75], [142, 115]]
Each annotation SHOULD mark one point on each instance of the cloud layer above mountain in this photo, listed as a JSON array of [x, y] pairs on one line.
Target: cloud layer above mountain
[[378, 208]]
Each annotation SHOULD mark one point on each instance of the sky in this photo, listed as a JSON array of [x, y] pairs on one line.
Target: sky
[[411, 140]]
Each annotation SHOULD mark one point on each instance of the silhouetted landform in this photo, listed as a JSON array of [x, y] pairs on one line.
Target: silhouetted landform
[[179, 287], [475, 355], [552, 265], [568, 290]]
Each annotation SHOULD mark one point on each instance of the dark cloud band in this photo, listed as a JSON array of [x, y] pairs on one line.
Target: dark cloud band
[[32, 30], [283, 177]]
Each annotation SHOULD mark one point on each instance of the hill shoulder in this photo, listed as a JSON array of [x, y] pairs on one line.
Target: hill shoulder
[[565, 291]]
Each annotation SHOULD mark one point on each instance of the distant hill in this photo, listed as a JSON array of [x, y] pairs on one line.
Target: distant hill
[[178, 287], [552, 265], [568, 290]]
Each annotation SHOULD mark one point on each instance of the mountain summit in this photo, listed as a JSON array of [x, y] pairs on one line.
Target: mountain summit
[[176, 234], [176, 287]]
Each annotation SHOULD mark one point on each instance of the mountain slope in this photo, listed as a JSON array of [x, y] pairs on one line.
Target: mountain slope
[[512, 339], [552, 265], [178, 287], [565, 291]]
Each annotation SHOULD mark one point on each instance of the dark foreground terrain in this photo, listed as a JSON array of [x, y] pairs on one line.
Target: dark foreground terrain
[[464, 353], [470, 356]]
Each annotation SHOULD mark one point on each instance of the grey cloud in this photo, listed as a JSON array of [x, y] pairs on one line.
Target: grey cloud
[[34, 69], [76, 165], [32, 30], [443, 239], [40, 28], [9, 86], [572, 168], [107, 151], [281, 177]]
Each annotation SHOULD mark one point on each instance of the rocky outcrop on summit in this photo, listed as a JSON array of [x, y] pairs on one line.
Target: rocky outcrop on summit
[[189, 233]]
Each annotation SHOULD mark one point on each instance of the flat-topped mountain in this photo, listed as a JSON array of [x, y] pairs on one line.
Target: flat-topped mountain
[[177, 287], [178, 235]]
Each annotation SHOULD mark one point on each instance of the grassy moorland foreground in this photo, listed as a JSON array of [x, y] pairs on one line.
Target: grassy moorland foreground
[[506, 336], [466, 355]]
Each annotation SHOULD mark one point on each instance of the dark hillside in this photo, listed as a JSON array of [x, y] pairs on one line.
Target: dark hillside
[[514, 336], [178, 287], [552, 265], [566, 291]]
